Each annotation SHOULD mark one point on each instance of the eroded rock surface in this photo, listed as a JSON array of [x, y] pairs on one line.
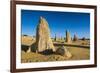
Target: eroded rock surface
[[43, 39]]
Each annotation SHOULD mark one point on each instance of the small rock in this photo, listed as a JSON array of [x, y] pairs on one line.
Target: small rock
[[64, 52]]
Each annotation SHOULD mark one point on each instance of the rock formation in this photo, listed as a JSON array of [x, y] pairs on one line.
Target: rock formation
[[75, 38], [64, 52], [55, 39], [43, 40], [68, 37], [83, 38]]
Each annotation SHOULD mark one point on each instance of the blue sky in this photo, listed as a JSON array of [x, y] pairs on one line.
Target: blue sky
[[59, 22]]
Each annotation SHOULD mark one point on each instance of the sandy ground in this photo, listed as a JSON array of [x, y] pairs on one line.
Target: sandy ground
[[77, 54]]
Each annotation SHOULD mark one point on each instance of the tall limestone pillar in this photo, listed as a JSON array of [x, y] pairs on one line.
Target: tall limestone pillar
[[68, 37], [43, 39], [75, 37]]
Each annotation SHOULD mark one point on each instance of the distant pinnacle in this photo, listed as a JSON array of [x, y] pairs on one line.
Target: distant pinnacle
[[68, 37]]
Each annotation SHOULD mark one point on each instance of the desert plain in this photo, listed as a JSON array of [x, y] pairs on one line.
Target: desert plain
[[79, 49]]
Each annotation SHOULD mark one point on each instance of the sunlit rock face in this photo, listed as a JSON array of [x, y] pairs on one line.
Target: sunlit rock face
[[68, 37], [64, 52], [43, 39], [75, 37]]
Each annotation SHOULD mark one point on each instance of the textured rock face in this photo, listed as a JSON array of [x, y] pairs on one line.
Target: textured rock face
[[43, 40], [68, 37], [64, 52], [75, 38]]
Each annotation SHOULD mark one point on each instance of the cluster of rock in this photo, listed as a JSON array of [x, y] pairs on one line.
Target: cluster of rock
[[44, 41], [69, 39]]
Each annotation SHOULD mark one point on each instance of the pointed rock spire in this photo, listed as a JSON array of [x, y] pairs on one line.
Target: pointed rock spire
[[68, 37], [75, 37], [43, 39], [55, 38]]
